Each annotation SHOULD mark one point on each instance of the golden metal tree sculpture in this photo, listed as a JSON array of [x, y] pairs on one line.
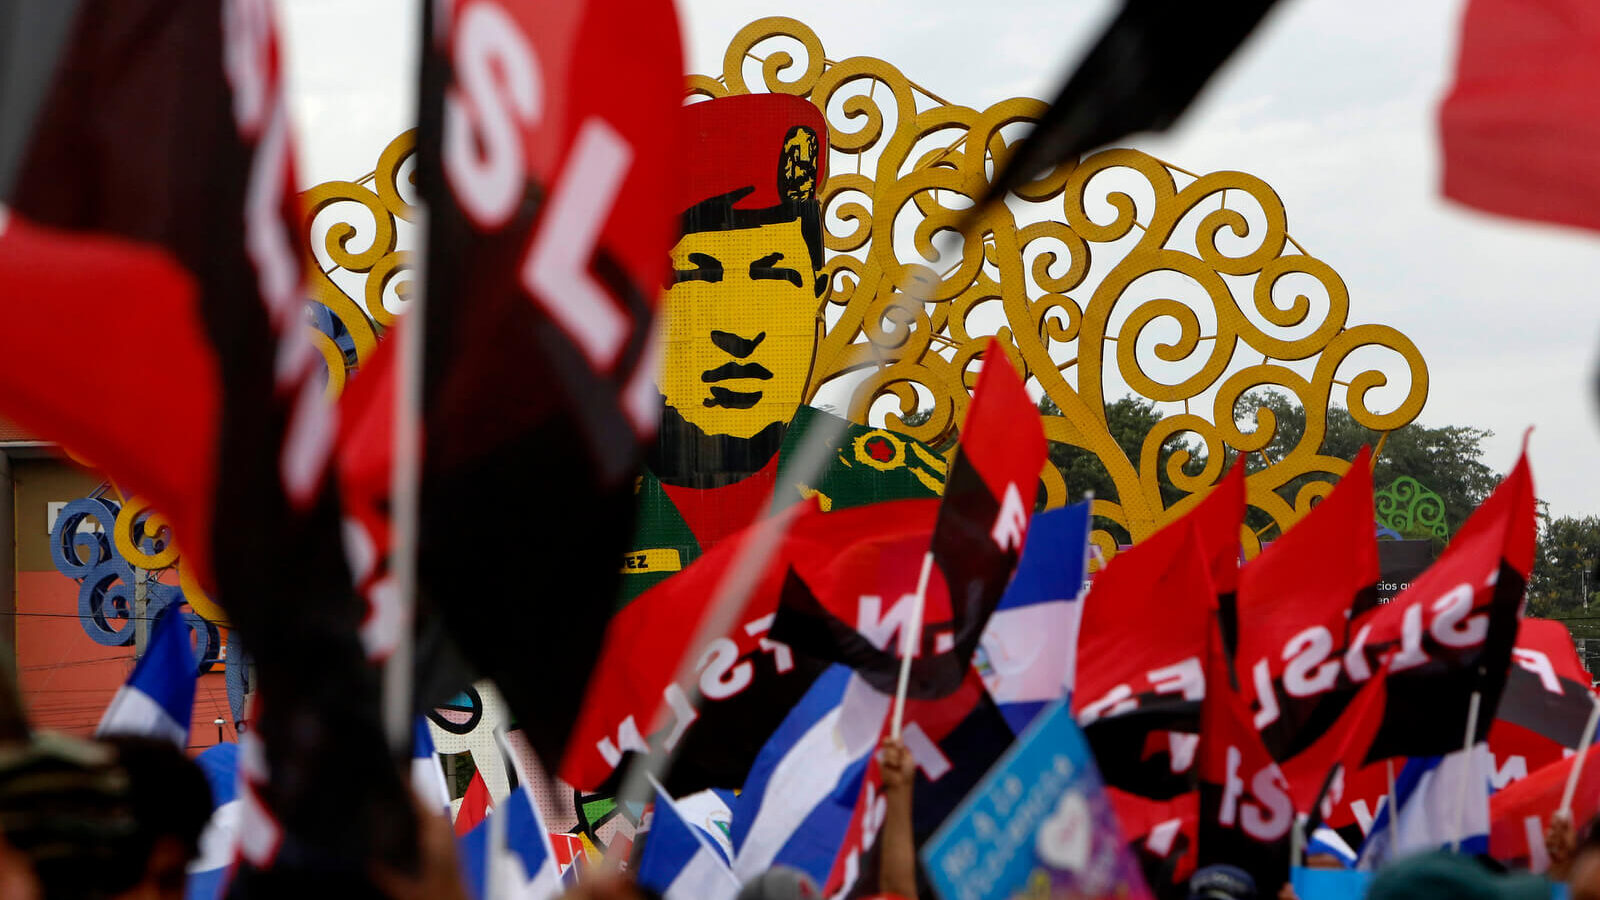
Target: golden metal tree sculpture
[[1116, 274]]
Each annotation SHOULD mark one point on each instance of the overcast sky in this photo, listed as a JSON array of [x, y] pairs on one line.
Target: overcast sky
[[1332, 103]]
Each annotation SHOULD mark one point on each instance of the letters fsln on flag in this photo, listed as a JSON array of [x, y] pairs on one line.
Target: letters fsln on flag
[[546, 168]]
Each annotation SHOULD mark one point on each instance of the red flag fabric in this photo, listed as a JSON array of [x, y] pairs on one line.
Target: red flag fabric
[[1217, 519], [1163, 835], [72, 270], [747, 680], [1520, 814], [976, 542], [549, 156], [167, 124], [1295, 599], [1451, 633], [1248, 801], [475, 805], [1132, 679], [1520, 128], [1547, 688], [1246, 806]]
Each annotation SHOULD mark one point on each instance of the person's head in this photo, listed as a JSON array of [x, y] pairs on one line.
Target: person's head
[[742, 304], [171, 803], [1442, 874], [65, 815], [1221, 882], [780, 883]]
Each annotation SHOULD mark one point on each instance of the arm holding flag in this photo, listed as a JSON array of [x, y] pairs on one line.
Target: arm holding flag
[[898, 874]]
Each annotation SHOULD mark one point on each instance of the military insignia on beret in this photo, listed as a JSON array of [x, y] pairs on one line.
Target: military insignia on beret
[[797, 165]]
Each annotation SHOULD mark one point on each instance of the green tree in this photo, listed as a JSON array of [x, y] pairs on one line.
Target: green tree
[[1447, 459], [1129, 420], [1564, 568]]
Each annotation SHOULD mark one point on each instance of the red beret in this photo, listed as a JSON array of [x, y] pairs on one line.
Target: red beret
[[774, 143]]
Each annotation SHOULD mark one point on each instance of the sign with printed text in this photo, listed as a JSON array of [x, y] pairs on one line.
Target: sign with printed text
[[1038, 824]]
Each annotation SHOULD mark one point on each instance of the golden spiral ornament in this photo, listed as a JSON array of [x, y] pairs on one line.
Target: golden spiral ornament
[[1060, 275], [1057, 275]]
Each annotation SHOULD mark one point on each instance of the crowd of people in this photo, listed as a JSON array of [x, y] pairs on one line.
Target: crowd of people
[[121, 818]]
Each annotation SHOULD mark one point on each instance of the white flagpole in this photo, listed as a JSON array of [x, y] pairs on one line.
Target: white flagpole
[[1577, 764], [404, 489], [1466, 770], [911, 643], [1394, 805]]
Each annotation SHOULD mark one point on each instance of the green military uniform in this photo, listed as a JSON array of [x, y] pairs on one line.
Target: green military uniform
[[867, 466]]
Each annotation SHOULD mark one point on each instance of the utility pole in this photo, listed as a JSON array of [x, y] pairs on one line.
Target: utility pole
[[141, 608]]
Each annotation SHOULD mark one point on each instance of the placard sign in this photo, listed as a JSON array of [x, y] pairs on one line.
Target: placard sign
[[1039, 823]]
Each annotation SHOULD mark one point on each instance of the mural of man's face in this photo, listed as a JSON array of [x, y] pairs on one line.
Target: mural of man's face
[[740, 327]]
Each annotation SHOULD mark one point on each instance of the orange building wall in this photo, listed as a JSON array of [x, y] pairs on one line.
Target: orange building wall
[[65, 677]]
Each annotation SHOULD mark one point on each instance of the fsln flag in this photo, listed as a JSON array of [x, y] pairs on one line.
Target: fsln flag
[[1520, 127], [1450, 634], [524, 868], [1547, 688], [1248, 800], [1138, 691], [745, 687], [679, 861], [976, 542], [1442, 803], [1520, 815], [1027, 654], [158, 700], [548, 154], [191, 93], [1295, 600], [801, 797], [1142, 73]]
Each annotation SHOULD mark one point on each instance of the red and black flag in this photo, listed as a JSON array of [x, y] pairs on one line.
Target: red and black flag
[[1547, 688], [1138, 689], [1450, 634], [976, 542], [161, 150], [1520, 815], [548, 155], [1138, 692], [1218, 519], [1295, 600], [1249, 802], [745, 681]]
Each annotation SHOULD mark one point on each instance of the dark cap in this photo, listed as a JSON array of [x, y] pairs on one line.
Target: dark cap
[[1222, 882]]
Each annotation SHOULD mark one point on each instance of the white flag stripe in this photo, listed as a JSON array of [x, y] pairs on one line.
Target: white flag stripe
[[132, 711], [809, 773]]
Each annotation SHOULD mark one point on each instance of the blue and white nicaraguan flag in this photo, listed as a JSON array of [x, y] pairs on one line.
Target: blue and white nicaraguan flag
[[158, 700], [1429, 793], [427, 776], [1026, 657], [682, 861], [525, 867], [801, 794], [219, 843]]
